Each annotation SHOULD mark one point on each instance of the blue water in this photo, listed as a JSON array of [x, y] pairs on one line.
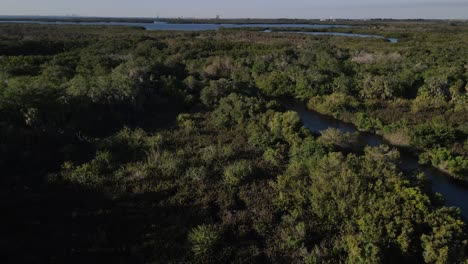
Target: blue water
[[201, 27]]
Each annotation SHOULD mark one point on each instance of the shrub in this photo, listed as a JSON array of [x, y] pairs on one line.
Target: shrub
[[235, 109], [446, 242], [235, 173], [309, 148], [126, 144], [196, 173], [377, 87], [169, 164], [204, 239], [334, 104], [91, 175], [429, 136], [285, 126], [367, 123], [184, 121], [273, 156], [276, 83], [212, 94], [444, 159], [334, 137]]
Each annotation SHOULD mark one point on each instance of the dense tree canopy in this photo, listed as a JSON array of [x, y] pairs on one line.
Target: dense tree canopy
[[122, 145]]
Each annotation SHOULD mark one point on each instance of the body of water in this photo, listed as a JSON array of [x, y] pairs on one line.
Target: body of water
[[180, 27], [455, 194], [202, 27]]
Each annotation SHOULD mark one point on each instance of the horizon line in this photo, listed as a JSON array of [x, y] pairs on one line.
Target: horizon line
[[226, 18]]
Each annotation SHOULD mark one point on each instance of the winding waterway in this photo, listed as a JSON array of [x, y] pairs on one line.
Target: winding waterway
[[454, 193]]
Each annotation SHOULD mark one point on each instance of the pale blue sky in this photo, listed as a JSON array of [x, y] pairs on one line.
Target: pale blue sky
[[242, 8]]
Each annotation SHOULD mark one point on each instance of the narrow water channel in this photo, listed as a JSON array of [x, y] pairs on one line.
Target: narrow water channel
[[455, 194]]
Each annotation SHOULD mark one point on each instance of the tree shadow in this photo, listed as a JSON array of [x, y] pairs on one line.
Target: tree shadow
[[76, 226]]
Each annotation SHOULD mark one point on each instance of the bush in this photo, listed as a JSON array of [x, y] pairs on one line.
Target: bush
[[275, 83], [185, 122], [127, 144], [445, 227], [367, 123], [235, 173], [444, 159], [235, 109], [273, 156], [91, 175], [285, 126], [204, 239], [377, 87], [334, 137], [334, 104], [196, 173], [308, 149], [429, 136], [212, 94]]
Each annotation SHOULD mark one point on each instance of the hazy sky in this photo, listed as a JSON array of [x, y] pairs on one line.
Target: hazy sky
[[242, 8]]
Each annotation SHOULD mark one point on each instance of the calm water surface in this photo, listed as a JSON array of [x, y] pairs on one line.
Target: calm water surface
[[182, 27], [454, 193]]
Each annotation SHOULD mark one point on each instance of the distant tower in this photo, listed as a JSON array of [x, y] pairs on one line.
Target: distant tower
[[217, 17]]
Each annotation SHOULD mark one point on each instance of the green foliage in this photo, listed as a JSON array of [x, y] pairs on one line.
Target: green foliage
[[160, 131], [184, 121], [275, 83], [235, 173], [334, 137], [359, 203], [367, 123], [273, 156], [444, 159], [308, 149], [429, 136], [377, 87], [445, 227], [204, 239], [91, 175], [212, 94], [334, 104], [235, 109], [128, 144], [218, 67], [285, 126]]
